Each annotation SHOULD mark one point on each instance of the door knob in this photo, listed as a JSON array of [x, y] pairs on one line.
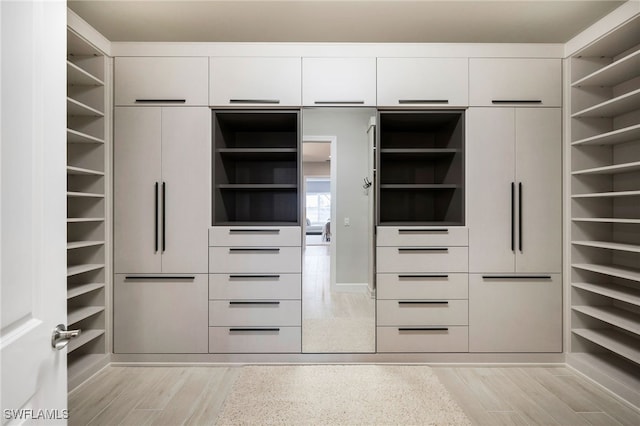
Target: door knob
[[61, 336]]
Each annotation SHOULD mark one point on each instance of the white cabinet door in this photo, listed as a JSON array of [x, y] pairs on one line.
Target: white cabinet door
[[491, 169], [423, 81], [509, 314], [255, 81], [539, 177], [186, 189], [163, 81], [339, 81], [515, 81], [160, 314], [137, 174]]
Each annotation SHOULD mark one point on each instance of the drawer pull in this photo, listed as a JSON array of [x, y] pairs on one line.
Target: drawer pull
[[423, 329], [254, 329], [423, 231], [254, 231], [339, 102], [254, 101], [253, 276], [423, 302], [254, 302], [516, 277], [418, 249], [423, 276], [516, 101], [423, 101], [160, 277], [161, 101], [254, 249]]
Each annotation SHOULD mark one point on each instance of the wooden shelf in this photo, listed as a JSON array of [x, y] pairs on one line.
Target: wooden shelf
[[419, 186], [84, 195], [71, 245], [83, 289], [613, 291], [84, 219], [71, 170], [608, 194], [83, 313], [419, 151], [76, 108], [611, 315], [256, 187], [85, 337], [614, 43], [615, 73], [74, 136], [612, 340], [613, 107], [81, 269], [259, 154], [76, 76], [632, 248], [610, 170], [611, 270], [77, 46], [606, 220], [614, 137]]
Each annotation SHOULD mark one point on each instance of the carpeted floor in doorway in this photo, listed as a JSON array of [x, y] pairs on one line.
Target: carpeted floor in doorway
[[340, 395]]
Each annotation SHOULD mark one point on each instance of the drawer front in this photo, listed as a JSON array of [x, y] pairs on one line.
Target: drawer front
[[422, 339], [339, 81], [422, 259], [255, 340], [422, 286], [148, 320], [240, 260], [260, 313], [161, 81], [423, 82], [255, 236], [528, 82], [422, 312], [256, 81], [395, 236], [255, 286]]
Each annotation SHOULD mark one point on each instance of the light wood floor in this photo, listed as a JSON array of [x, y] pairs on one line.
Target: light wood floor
[[488, 395]]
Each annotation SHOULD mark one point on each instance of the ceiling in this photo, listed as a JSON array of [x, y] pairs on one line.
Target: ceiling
[[421, 21]]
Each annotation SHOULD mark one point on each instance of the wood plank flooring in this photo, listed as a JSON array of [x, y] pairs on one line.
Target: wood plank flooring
[[488, 395]]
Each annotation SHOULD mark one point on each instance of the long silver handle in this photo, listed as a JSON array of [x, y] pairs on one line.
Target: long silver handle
[[254, 249], [418, 249], [424, 276], [254, 231], [339, 102], [163, 101], [423, 231], [160, 277], [423, 101], [254, 101], [423, 302], [423, 329], [516, 277], [249, 276], [516, 101], [60, 336], [253, 302]]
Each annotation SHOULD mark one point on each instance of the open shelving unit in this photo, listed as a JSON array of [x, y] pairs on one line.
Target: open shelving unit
[[86, 204], [421, 168], [256, 167], [605, 208]]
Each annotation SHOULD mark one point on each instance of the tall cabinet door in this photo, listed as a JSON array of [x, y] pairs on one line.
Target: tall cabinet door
[[491, 172], [137, 160], [539, 177], [185, 188]]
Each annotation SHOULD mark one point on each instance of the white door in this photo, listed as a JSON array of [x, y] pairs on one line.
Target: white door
[[372, 204], [33, 210]]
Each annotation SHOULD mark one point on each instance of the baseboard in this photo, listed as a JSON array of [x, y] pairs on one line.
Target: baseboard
[[73, 382]]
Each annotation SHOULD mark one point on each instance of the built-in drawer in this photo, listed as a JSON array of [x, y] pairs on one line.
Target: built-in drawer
[[422, 312], [248, 260], [421, 236], [255, 236], [407, 260], [422, 286], [255, 313], [255, 286], [255, 339], [423, 339]]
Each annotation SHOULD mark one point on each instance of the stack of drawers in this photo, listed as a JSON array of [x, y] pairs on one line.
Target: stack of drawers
[[422, 289], [255, 291]]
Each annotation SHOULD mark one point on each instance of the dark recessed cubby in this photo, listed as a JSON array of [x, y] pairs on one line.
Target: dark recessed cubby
[[256, 167], [421, 168]]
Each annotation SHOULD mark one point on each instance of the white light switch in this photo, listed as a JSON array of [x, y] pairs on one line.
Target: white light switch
[[347, 222]]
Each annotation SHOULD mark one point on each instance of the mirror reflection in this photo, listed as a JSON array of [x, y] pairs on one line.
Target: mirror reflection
[[338, 299]]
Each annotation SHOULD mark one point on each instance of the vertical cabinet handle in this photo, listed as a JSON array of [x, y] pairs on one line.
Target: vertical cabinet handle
[[164, 216], [513, 216], [520, 216], [155, 219]]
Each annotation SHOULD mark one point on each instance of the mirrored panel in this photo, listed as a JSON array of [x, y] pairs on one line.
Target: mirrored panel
[[338, 289]]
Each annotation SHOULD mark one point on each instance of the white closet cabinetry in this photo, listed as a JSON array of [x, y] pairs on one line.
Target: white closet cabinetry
[[338, 81], [162, 191], [255, 81], [410, 82], [515, 81], [161, 81]]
